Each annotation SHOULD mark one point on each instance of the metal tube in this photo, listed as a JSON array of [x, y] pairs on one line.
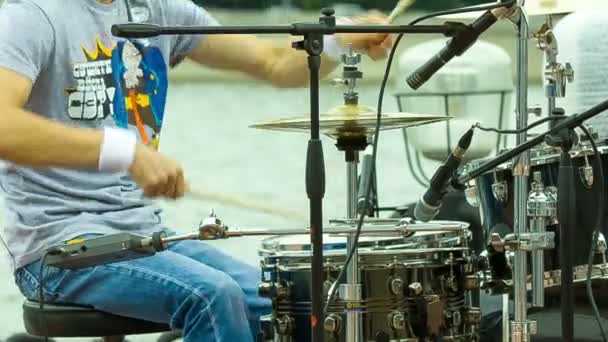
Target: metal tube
[[353, 317], [538, 225], [505, 317], [136, 30], [520, 331]]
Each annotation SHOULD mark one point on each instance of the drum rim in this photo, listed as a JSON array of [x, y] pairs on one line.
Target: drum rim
[[537, 157], [269, 248]]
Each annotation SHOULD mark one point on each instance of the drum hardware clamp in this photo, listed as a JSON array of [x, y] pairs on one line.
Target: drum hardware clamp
[[542, 210], [557, 75], [527, 242]]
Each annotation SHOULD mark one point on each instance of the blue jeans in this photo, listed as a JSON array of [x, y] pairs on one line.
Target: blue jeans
[[193, 286]]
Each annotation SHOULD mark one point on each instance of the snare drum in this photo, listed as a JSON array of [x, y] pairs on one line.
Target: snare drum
[[493, 193], [412, 288]]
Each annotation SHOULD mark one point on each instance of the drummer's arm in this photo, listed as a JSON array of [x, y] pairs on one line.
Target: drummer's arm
[[275, 60]]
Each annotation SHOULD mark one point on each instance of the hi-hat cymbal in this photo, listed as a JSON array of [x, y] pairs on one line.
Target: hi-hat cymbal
[[540, 7], [351, 121]]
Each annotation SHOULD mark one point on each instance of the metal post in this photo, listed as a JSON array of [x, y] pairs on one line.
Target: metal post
[[352, 288], [520, 331], [505, 317]]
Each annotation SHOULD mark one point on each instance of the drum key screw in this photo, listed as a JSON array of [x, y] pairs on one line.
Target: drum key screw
[[415, 289], [500, 190], [472, 194], [332, 323], [396, 286], [274, 290]]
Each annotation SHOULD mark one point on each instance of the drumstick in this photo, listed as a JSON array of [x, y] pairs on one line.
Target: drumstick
[[244, 204], [401, 6]]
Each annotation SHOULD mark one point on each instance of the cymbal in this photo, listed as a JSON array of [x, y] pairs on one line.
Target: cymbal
[[351, 121], [540, 8]]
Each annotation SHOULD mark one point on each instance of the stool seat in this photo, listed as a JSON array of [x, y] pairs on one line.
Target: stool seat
[[59, 320]]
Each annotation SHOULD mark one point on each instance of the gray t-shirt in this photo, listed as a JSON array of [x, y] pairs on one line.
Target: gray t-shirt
[[84, 76]]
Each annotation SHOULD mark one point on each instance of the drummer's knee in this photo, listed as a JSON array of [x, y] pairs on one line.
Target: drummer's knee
[[221, 296]]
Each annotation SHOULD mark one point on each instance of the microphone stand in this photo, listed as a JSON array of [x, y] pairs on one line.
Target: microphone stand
[[312, 44], [566, 211]]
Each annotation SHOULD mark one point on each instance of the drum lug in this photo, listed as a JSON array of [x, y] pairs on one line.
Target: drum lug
[[601, 248], [396, 286], [471, 193], [500, 191], [397, 321], [586, 174]]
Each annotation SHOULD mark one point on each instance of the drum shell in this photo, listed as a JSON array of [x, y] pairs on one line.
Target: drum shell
[[379, 267]]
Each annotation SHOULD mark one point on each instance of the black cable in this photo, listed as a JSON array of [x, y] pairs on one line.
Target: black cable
[[372, 171], [596, 232], [519, 131]]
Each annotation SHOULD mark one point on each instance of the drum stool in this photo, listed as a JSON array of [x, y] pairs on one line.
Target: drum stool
[[80, 321]]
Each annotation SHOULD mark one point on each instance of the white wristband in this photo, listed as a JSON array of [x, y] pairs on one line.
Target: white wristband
[[117, 150], [331, 46]]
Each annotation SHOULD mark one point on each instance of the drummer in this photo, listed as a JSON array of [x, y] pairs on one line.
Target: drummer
[[83, 113]]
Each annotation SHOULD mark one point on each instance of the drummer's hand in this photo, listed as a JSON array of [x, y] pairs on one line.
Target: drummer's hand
[[375, 45], [156, 174]]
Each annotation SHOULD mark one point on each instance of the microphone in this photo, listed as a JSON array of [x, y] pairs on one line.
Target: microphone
[[429, 204], [458, 45], [136, 30], [364, 181]]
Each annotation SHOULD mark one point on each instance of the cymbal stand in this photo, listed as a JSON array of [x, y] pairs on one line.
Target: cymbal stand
[[350, 292], [542, 207], [521, 328]]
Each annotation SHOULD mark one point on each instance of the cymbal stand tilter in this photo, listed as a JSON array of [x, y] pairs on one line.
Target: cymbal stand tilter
[[542, 208], [557, 75]]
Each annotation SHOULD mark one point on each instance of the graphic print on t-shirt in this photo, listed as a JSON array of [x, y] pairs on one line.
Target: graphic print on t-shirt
[[126, 81], [93, 94], [141, 75]]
